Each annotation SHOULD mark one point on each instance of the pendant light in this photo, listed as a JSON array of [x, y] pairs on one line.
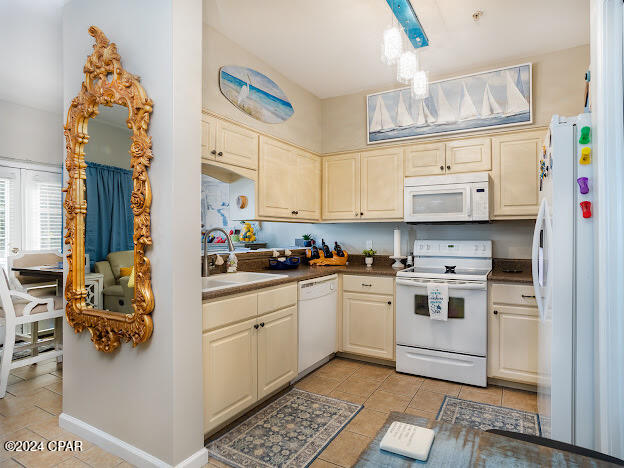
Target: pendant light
[[420, 85], [392, 44], [407, 66]]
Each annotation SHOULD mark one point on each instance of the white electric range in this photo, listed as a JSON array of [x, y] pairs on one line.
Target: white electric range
[[455, 349]]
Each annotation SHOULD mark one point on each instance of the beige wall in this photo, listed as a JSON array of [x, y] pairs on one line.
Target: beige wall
[[303, 128], [30, 134], [558, 88], [150, 397]]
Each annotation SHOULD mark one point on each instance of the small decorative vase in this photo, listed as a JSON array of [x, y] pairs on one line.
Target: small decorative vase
[[369, 261]]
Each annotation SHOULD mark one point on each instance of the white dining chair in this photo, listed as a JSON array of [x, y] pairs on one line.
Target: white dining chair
[[19, 308]]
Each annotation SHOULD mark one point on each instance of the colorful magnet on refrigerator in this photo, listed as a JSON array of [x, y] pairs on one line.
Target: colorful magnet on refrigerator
[[585, 156], [585, 138], [584, 188], [586, 207]]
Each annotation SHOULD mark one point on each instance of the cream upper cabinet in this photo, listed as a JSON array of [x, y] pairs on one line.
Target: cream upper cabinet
[[227, 143], [307, 186], [209, 137], [469, 155], [341, 186], [236, 145], [276, 181], [230, 378], [425, 159], [513, 333], [289, 182], [277, 350], [381, 184], [515, 174], [368, 324]]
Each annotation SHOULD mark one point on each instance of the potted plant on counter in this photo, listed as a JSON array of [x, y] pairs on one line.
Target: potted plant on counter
[[369, 254], [305, 241]]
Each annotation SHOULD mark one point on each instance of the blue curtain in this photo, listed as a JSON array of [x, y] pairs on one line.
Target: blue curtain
[[109, 221]]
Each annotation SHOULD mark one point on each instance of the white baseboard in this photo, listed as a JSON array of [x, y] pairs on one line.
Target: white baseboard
[[124, 450]]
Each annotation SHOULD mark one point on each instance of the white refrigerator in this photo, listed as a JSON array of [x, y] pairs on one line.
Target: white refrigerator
[[564, 284]]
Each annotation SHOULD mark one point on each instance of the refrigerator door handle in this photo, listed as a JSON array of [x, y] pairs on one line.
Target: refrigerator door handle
[[539, 222]]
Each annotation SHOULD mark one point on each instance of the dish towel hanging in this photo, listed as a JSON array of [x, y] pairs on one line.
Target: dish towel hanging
[[438, 301]]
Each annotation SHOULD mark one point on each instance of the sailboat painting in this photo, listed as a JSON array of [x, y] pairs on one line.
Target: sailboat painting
[[490, 99], [255, 94]]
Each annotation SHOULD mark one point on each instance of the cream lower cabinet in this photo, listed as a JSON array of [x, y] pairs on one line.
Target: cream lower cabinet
[[277, 338], [368, 316], [515, 174], [512, 333], [230, 377], [251, 358]]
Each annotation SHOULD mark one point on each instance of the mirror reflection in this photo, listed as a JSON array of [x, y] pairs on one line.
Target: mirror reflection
[[109, 274]]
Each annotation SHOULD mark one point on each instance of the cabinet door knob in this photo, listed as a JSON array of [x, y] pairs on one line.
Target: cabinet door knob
[[213, 152], [367, 285], [256, 326], [293, 212], [262, 324], [448, 167], [296, 212], [389, 302], [496, 312], [220, 153], [361, 213], [526, 296], [441, 168]]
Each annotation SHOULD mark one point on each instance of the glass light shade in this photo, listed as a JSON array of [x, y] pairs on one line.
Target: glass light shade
[[407, 66], [392, 45], [420, 85]]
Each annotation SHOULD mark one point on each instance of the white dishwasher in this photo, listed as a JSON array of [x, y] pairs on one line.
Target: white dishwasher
[[318, 303]]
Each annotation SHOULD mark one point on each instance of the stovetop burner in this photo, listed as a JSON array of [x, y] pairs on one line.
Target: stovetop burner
[[450, 269]]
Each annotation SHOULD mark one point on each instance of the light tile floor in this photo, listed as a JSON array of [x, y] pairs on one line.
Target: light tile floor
[[33, 402], [30, 411], [381, 390]]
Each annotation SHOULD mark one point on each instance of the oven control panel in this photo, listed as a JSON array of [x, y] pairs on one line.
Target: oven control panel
[[442, 248]]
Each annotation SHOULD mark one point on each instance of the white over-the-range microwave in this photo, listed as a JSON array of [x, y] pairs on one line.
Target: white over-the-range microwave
[[456, 197]]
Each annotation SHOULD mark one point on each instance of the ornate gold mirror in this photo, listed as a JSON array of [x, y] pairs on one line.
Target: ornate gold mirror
[[107, 203]]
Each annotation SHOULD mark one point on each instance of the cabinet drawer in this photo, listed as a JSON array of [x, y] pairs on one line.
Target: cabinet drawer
[[515, 294], [273, 299], [233, 309], [368, 284]]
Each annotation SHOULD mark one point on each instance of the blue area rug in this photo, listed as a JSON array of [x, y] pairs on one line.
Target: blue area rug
[[290, 432], [483, 416]]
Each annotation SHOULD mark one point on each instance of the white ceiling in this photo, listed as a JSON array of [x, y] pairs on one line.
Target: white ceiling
[[332, 48], [31, 53]]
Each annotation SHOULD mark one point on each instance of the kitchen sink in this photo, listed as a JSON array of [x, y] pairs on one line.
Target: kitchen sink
[[231, 280]]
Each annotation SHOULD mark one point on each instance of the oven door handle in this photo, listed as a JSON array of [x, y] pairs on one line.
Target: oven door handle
[[475, 286]]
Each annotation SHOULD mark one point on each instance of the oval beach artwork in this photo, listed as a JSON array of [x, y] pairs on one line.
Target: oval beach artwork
[[255, 94]]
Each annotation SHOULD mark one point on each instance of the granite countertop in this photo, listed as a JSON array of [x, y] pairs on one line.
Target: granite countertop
[[511, 270], [304, 272]]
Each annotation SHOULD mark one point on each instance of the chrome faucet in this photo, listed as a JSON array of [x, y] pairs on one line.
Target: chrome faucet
[[205, 266]]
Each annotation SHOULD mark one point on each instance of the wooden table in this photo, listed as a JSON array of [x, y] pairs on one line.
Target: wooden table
[[462, 446], [42, 271]]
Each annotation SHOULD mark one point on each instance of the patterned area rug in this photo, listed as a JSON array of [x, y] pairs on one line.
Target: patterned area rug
[[483, 416], [290, 432]]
